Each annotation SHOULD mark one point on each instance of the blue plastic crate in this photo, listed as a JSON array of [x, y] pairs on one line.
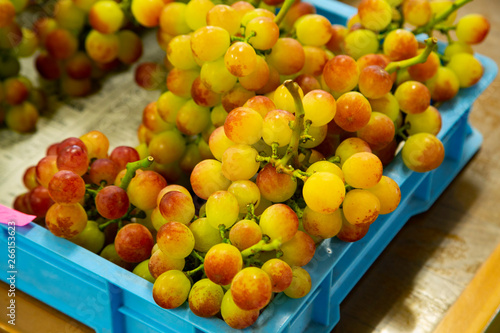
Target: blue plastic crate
[[108, 298]]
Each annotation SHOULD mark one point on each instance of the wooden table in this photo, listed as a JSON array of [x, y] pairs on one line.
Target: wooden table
[[429, 264]]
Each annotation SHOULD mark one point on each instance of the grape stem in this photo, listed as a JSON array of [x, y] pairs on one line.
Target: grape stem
[[222, 232], [305, 133], [118, 220], [334, 159], [193, 271], [132, 168], [401, 131], [430, 44], [198, 256], [282, 13], [261, 246], [296, 208], [250, 212], [440, 18]]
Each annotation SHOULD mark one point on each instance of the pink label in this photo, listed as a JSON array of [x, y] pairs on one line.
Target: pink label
[[9, 215]]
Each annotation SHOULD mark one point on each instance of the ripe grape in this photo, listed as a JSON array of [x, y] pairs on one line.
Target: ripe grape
[[274, 186], [426, 70], [258, 78], [167, 147], [207, 178], [423, 152], [321, 225], [362, 170], [177, 206], [341, 73], [222, 262], [244, 234], [66, 220], [46, 168], [97, 144], [413, 97], [467, 68], [246, 192], [352, 232], [144, 188], [319, 107], [276, 126], [222, 208], [205, 298], [236, 97], [361, 206], [284, 100], [66, 187], [192, 118], [387, 105], [251, 289], [240, 59], [173, 19], [374, 82], [388, 193], [102, 48], [379, 131], [313, 30], [279, 221], [301, 283], [209, 43], [160, 263], [171, 289], [205, 235], [216, 77], [22, 118], [360, 42], [280, 57], [417, 12], [428, 121], [353, 111], [196, 13], [175, 240], [243, 125], [280, 274], [39, 201], [299, 250], [134, 242], [224, 16], [375, 14], [472, 28], [400, 44], [106, 16], [103, 170], [234, 316], [29, 178]]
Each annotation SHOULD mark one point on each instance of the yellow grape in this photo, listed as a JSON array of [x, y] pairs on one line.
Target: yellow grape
[[388, 193], [323, 192], [361, 206], [362, 170]]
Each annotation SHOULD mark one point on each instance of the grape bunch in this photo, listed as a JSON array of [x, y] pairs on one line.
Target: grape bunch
[[82, 40], [20, 102]]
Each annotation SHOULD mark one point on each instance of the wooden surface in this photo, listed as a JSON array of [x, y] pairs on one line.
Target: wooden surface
[[432, 260]]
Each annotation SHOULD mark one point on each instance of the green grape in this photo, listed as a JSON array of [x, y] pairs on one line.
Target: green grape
[[134, 242], [160, 263], [280, 274], [179, 52], [341, 74], [168, 105], [109, 253], [171, 289], [246, 192], [318, 134], [239, 162], [66, 220], [173, 18], [362, 170], [361, 206], [157, 220], [22, 118], [224, 16], [301, 283], [467, 68], [251, 289], [413, 97], [439, 7], [175, 240], [106, 16], [319, 107], [205, 235], [219, 142], [28, 45], [222, 208], [91, 237], [313, 29], [244, 234], [388, 193], [279, 221], [400, 44], [167, 147], [265, 30], [280, 57], [68, 16], [274, 186], [299, 250], [142, 270], [255, 13], [276, 127], [196, 13], [428, 121], [457, 47], [321, 225], [375, 14], [472, 28], [387, 105], [216, 77], [209, 43], [423, 152], [234, 316], [240, 59], [192, 118], [243, 125], [444, 85], [207, 178], [360, 42], [222, 262], [205, 298]]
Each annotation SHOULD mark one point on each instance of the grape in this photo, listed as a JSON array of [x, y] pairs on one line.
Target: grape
[[134, 242], [313, 29], [61, 44], [353, 111], [457, 47], [171, 289], [22, 118], [147, 12], [142, 270], [388, 193], [66, 220], [205, 298], [301, 283], [256, 13], [258, 78], [352, 232], [144, 188], [374, 82], [426, 70], [173, 19], [8, 13], [203, 96], [76, 88], [321, 225], [423, 152], [234, 316], [149, 75], [222, 208], [130, 47], [109, 253], [280, 57], [218, 142], [175, 240], [112, 202], [66, 187], [103, 170], [297, 10], [280, 274], [315, 60], [341, 73], [168, 105], [216, 77], [39, 201], [236, 97], [10, 36], [239, 162], [68, 16], [167, 147], [205, 235], [444, 85], [160, 263], [299, 250], [273, 82], [417, 12], [15, 91], [318, 135], [413, 97], [251, 289], [284, 100], [102, 48], [243, 125], [179, 52], [360, 42], [29, 178], [276, 127], [428, 121], [319, 107], [242, 7], [122, 155], [246, 192], [225, 17], [209, 43], [279, 221], [361, 206], [362, 170], [379, 131], [400, 44], [274, 186], [467, 68], [325, 166], [97, 144], [375, 14], [46, 168], [192, 118], [106, 16], [240, 59], [78, 66], [307, 82], [387, 105], [472, 28], [47, 66], [244, 234], [207, 178], [222, 262], [91, 238], [177, 206]]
